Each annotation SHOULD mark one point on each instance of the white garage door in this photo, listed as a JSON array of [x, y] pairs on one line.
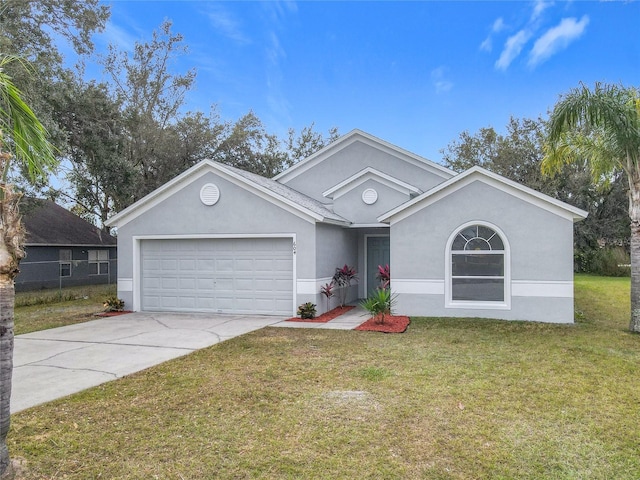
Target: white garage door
[[247, 275]]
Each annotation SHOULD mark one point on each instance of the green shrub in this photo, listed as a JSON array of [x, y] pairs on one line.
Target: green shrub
[[113, 304], [611, 262], [307, 310], [379, 303]]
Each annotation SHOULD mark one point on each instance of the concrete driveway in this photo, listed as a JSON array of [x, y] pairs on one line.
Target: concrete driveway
[[54, 363]]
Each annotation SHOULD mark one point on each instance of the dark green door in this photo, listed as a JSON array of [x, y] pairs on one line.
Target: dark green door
[[377, 254]]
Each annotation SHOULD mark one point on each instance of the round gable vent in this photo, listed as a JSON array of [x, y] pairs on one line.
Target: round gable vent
[[210, 194], [369, 196]]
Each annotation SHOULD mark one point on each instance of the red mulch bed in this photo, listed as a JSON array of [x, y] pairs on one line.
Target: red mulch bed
[[392, 324], [325, 317], [112, 314]]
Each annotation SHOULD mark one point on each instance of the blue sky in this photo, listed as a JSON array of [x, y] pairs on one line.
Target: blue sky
[[415, 73]]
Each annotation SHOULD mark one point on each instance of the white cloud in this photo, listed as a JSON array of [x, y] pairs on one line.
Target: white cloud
[[118, 36], [226, 24], [440, 80], [512, 48], [557, 38], [497, 27], [539, 7]]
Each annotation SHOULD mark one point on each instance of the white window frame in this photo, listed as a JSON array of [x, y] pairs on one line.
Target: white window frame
[[98, 261], [64, 262], [475, 304]]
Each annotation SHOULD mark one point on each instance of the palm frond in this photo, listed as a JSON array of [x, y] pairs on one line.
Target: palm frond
[[600, 127], [21, 133]]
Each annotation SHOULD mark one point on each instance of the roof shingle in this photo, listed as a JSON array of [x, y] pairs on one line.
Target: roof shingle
[[47, 223]]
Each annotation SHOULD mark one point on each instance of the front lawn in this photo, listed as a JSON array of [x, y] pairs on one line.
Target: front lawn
[[44, 309], [448, 399]]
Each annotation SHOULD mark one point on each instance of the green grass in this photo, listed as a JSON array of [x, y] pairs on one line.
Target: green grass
[[43, 309], [448, 399]]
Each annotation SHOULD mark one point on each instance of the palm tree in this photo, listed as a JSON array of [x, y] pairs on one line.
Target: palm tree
[[22, 139], [601, 127]]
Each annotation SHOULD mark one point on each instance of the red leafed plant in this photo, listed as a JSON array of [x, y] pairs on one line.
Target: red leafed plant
[[327, 291], [342, 279], [384, 275]]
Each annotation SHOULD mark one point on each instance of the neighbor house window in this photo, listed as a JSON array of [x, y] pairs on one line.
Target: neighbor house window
[[478, 264], [98, 262], [65, 263]]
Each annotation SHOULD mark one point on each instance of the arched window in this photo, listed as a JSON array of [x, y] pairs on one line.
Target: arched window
[[478, 267]]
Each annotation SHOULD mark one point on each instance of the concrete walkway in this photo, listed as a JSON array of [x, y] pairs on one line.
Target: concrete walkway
[[346, 321], [54, 363]]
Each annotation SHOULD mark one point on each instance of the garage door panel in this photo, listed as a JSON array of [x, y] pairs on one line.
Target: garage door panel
[[169, 283], [206, 284], [187, 283], [224, 265], [219, 275], [187, 302], [244, 284], [188, 265]]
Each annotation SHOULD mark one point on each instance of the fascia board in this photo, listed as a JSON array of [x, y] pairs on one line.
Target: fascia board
[[367, 174], [197, 171], [510, 187], [367, 139]]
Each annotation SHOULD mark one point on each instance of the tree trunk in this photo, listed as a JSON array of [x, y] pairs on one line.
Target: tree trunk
[[6, 369], [11, 252], [634, 214]]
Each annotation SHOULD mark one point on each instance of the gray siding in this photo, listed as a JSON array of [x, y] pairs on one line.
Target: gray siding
[[351, 206], [541, 251], [351, 160], [335, 247], [238, 212], [40, 269]]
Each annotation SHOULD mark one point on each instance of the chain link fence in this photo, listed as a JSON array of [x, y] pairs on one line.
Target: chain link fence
[[52, 274]]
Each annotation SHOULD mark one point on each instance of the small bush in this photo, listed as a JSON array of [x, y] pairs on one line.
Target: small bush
[[379, 303], [307, 310], [113, 304], [611, 262]]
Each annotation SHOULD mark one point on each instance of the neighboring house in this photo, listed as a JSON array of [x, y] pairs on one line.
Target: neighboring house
[[219, 239], [62, 249]]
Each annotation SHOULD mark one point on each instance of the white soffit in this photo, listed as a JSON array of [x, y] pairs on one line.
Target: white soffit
[[510, 187], [370, 173]]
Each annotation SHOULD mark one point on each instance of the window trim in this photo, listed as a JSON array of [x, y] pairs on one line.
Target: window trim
[[98, 262], [65, 262], [448, 282]]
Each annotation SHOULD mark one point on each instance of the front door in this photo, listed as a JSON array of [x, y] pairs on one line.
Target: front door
[[377, 254]]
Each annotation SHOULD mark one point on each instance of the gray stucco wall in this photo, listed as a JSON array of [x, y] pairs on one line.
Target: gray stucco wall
[[237, 212], [351, 160], [335, 247], [351, 206], [541, 251]]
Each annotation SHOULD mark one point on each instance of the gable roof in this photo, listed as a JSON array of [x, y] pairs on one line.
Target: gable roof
[[268, 189], [360, 136], [49, 224], [499, 182], [367, 174]]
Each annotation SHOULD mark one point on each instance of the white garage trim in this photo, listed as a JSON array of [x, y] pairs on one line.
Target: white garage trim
[[137, 258]]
